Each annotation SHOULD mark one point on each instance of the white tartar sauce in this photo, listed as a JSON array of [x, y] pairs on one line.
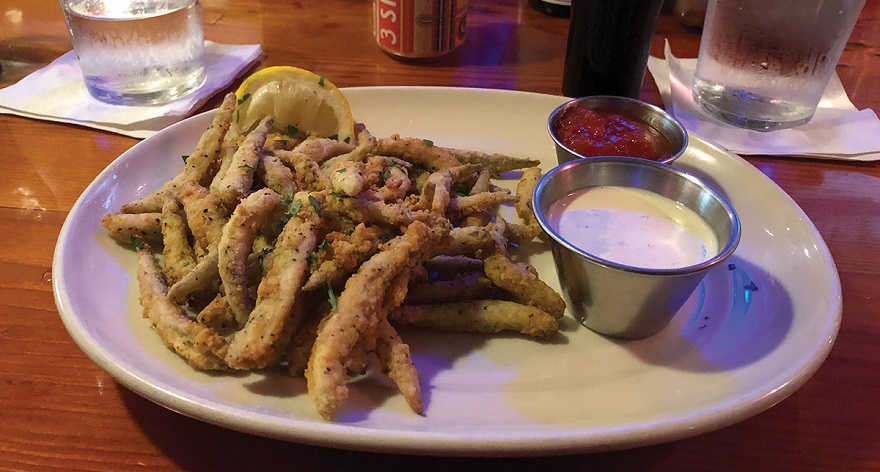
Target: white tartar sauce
[[634, 227]]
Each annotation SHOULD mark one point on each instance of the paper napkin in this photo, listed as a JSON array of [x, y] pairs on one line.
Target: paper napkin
[[837, 131], [57, 93]]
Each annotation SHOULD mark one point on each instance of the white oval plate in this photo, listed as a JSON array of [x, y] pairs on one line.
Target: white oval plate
[[753, 332]]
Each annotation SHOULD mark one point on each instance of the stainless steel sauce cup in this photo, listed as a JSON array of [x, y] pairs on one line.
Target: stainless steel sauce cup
[[658, 121], [620, 300]]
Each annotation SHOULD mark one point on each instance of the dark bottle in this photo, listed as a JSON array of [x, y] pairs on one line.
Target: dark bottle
[[560, 8], [608, 46]]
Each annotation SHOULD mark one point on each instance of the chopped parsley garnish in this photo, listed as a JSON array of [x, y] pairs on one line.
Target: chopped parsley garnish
[[292, 131], [331, 296], [321, 81], [245, 166], [315, 204], [339, 194], [342, 171], [136, 242], [294, 208], [335, 137], [291, 212], [184, 157], [428, 142], [244, 98], [237, 115], [347, 139], [313, 261]]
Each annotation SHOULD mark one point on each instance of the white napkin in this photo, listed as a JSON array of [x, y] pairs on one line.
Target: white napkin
[[57, 93], [837, 131]]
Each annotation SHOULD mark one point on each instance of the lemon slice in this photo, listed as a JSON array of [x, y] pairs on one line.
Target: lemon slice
[[298, 99]]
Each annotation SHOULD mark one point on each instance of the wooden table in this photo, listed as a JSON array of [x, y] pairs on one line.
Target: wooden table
[[61, 412]]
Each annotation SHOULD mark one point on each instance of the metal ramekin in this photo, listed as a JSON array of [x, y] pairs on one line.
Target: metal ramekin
[[663, 123], [616, 299]]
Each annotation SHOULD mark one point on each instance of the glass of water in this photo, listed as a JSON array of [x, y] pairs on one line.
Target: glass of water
[[137, 52], [764, 64]]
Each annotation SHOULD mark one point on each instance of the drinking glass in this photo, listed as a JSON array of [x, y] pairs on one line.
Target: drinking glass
[[137, 52], [764, 64]]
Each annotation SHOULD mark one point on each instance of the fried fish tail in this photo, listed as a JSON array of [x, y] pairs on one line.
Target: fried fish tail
[[281, 305], [523, 285], [123, 227], [484, 316], [357, 312], [199, 345], [396, 361]]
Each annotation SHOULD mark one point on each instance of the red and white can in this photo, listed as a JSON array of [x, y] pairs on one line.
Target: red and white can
[[419, 29]]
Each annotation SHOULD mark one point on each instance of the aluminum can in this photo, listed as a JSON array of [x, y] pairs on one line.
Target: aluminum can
[[419, 29]]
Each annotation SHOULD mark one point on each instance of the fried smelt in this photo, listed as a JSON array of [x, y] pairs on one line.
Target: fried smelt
[[357, 312], [281, 304], [358, 361], [348, 252], [204, 275], [205, 215], [485, 316], [199, 345], [467, 286], [276, 175], [396, 185], [521, 234], [396, 361], [366, 208], [476, 241], [315, 149], [225, 162], [366, 144], [236, 183], [524, 189], [200, 166], [235, 247], [523, 285], [446, 265], [260, 231], [481, 184], [300, 347], [351, 178], [420, 152], [497, 163], [177, 254], [435, 194], [307, 173], [479, 203], [123, 227], [217, 314]]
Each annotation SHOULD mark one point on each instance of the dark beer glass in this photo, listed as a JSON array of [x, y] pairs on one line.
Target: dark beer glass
[[608, 46]]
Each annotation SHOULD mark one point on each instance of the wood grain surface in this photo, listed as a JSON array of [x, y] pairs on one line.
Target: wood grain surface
[[62, 412]]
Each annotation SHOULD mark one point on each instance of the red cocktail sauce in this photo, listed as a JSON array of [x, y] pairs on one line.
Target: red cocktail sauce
[[590, 133]]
